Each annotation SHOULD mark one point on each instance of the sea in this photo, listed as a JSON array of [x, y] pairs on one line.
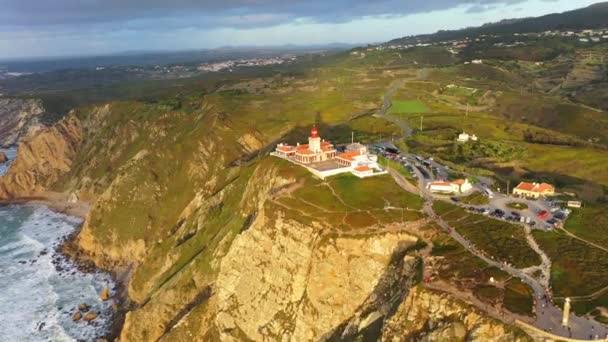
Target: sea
[[40, 289]]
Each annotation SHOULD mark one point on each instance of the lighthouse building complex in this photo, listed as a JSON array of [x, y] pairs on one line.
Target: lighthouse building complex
[[322, 159]]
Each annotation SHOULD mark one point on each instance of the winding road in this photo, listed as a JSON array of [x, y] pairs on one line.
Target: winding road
[[548, 316]]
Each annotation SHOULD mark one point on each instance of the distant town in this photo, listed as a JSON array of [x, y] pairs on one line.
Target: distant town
[[455, 46]]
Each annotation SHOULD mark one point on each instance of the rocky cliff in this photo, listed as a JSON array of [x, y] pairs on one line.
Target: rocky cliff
[[44, 156], [18, 118], [427, 315], [211, 248]]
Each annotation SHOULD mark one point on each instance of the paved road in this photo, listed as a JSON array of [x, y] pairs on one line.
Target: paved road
[[548, 316], [386, 106]]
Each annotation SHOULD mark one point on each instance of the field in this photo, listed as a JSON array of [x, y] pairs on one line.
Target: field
[[504, 241], [408, 107], [471, 274], [348, 202], [519, 298], [578, 269], [590, 223], [476, 198]]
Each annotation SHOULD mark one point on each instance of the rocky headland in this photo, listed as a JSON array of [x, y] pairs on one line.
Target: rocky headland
[[192, 229]]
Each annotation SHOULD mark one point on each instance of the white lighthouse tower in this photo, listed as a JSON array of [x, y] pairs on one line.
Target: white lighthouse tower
[[314, 141]]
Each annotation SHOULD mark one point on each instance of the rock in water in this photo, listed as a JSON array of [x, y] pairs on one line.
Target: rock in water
[[77, 316], [105, 294], [90, 316], [3, 157], [83, 307]]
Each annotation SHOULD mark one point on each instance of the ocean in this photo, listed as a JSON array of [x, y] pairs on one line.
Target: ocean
[[40, 290]]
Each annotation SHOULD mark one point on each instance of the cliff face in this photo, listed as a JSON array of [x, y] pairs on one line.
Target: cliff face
[[43, 157], [19, 118], [211, 248], [427, 315]]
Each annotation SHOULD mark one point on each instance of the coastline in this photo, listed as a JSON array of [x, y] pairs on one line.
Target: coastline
[[68, 248], [57, 202]]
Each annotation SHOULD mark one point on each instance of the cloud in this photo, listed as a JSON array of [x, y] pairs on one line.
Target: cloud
[[134, 14]]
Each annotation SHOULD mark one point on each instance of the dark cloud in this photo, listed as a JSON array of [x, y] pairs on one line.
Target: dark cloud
[[213, 13]]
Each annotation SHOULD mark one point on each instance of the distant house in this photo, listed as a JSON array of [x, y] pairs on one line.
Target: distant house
[[575, 204], [459, 185], [477, 61], [464, 137], [363, 171], [534, 190]]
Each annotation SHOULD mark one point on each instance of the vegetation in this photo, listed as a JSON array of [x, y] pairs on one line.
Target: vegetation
[[578, 269], [590, 223], [517, 205], [519, 298], [501, 240], [476, 198], [408, 107]]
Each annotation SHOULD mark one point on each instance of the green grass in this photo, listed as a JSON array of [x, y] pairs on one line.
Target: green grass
[[504, 241], [590, 223], [373, 193], [517, 205], [408, 107], [578, 269], [348, 202], [476, 198], [519, 298]]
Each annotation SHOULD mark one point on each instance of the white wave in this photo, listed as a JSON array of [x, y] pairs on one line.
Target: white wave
[[36, 300]]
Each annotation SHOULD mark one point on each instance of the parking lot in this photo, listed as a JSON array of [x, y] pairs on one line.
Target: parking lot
[[538, 213]]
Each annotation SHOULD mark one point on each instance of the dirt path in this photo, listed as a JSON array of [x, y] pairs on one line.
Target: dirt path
[[583, 240], [548, 316]]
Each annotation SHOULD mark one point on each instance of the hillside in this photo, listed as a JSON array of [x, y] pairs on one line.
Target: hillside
[[214, 239], [590, 17]]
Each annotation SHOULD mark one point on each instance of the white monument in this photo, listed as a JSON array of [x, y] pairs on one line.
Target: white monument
[[566, 317]]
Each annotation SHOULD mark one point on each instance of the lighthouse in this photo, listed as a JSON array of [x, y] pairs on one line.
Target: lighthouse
[[314, 141], [566, 316]]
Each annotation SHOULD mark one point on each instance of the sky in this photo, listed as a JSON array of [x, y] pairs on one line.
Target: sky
[[40, 28]]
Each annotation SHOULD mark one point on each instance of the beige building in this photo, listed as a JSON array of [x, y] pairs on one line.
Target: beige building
[[534, 190]]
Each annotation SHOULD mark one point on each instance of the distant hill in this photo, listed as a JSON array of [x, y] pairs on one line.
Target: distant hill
[[594, 16]]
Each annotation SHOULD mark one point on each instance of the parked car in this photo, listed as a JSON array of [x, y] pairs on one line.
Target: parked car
[[543, 214]]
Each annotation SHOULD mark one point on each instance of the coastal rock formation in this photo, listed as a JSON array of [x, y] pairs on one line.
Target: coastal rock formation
[[187, 211], [19, 118], [427, 315], [3, 158], [281, 280], [42, 159]]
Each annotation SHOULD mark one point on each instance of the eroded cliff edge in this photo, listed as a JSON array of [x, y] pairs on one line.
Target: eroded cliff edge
[[18, 119], [216, 245]]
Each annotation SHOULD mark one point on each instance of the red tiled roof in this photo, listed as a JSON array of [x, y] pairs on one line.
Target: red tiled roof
[[302, 147], [363, 168], [459, 182], [543, 187], [327, 148], [540, 188], [526, 186], [286, 148], [305, 152], [349, 155]]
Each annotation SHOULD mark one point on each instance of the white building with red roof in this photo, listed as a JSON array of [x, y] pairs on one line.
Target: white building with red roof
[[456, 186], [317, 150], [322, 159], [534, 190]]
